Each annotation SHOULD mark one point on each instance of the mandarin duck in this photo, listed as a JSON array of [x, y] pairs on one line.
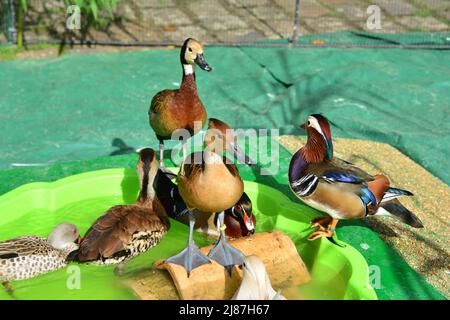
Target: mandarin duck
[[126, 231], [181, 108], [210, 182], [239, 219], [339, 188], [29, 256]]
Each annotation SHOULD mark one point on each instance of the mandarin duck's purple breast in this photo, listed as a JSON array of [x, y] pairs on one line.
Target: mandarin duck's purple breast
[[297, 166]]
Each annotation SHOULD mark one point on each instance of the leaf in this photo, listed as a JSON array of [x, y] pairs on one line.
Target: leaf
[[23, 5], [94, 9]]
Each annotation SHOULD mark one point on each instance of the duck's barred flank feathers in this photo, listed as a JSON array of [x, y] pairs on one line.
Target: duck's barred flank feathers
[[141, 242], [28, 257]]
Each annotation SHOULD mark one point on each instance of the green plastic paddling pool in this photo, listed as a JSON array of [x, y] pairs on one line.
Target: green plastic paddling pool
[[337, 272]]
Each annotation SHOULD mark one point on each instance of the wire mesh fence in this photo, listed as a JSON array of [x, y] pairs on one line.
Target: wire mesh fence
[[237, 22]]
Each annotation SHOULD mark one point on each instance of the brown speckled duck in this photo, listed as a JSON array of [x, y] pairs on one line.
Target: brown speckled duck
[[209, 182], [339, 188], [179, 109], [28, 256], [126, 231]]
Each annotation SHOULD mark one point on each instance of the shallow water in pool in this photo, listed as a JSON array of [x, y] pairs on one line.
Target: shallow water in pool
[[100, 282], [96, 282]]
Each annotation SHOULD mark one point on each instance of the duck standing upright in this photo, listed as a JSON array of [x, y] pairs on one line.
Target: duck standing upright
[[239, 219], [126, 231], [181, 108], [28, 256], [339, 188], [209, 182]]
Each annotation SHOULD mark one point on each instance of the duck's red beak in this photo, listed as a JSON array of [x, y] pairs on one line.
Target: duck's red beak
[[248, 222], [303, 126]]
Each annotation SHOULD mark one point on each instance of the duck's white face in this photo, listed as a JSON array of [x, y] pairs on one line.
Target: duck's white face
[[193, 54], [314, 123], [193, 48], [64, 236]]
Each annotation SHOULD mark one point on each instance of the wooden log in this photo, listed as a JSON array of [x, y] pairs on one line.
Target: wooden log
[[212, 282]]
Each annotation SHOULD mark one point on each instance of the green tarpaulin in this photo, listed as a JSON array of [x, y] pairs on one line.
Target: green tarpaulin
[[79, 107]]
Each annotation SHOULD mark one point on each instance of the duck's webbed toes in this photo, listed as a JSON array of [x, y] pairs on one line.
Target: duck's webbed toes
[[320, 234], [190, 258], [226, 255]]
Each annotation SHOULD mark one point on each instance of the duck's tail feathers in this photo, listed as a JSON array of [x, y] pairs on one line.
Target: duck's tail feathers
[[394, 193], [395, 209]]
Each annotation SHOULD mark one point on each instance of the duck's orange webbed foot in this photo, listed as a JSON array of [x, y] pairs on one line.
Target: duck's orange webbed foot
[[321, 223], [323, 232]]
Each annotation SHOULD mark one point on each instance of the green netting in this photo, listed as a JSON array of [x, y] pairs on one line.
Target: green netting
[[74, 107], [78, 106]]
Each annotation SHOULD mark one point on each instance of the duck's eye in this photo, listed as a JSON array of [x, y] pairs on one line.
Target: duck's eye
[[309, 123], [190, 49]]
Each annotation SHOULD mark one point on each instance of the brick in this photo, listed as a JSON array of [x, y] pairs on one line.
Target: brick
[[395, 8], [223, 22], [327, 24], [311, 9], [427, 24]]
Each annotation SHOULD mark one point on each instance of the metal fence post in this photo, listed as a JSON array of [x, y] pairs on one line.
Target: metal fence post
[[9, 21], [296, 20]]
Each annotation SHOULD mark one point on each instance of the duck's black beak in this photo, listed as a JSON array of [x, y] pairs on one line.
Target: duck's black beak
[[201, 62]]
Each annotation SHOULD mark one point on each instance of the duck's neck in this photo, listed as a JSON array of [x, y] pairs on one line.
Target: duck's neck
[[212, 158], [315, 150], [146, 194], [188, 84]]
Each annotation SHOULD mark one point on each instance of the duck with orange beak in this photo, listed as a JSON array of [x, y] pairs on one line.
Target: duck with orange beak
[[339, 188]]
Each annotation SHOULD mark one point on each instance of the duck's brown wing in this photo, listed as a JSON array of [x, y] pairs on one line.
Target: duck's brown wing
[[22, 246], [193, 165], [160, 100], [113, 232]]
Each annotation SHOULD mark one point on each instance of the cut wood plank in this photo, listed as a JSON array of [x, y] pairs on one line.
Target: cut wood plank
[[279, 254]]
